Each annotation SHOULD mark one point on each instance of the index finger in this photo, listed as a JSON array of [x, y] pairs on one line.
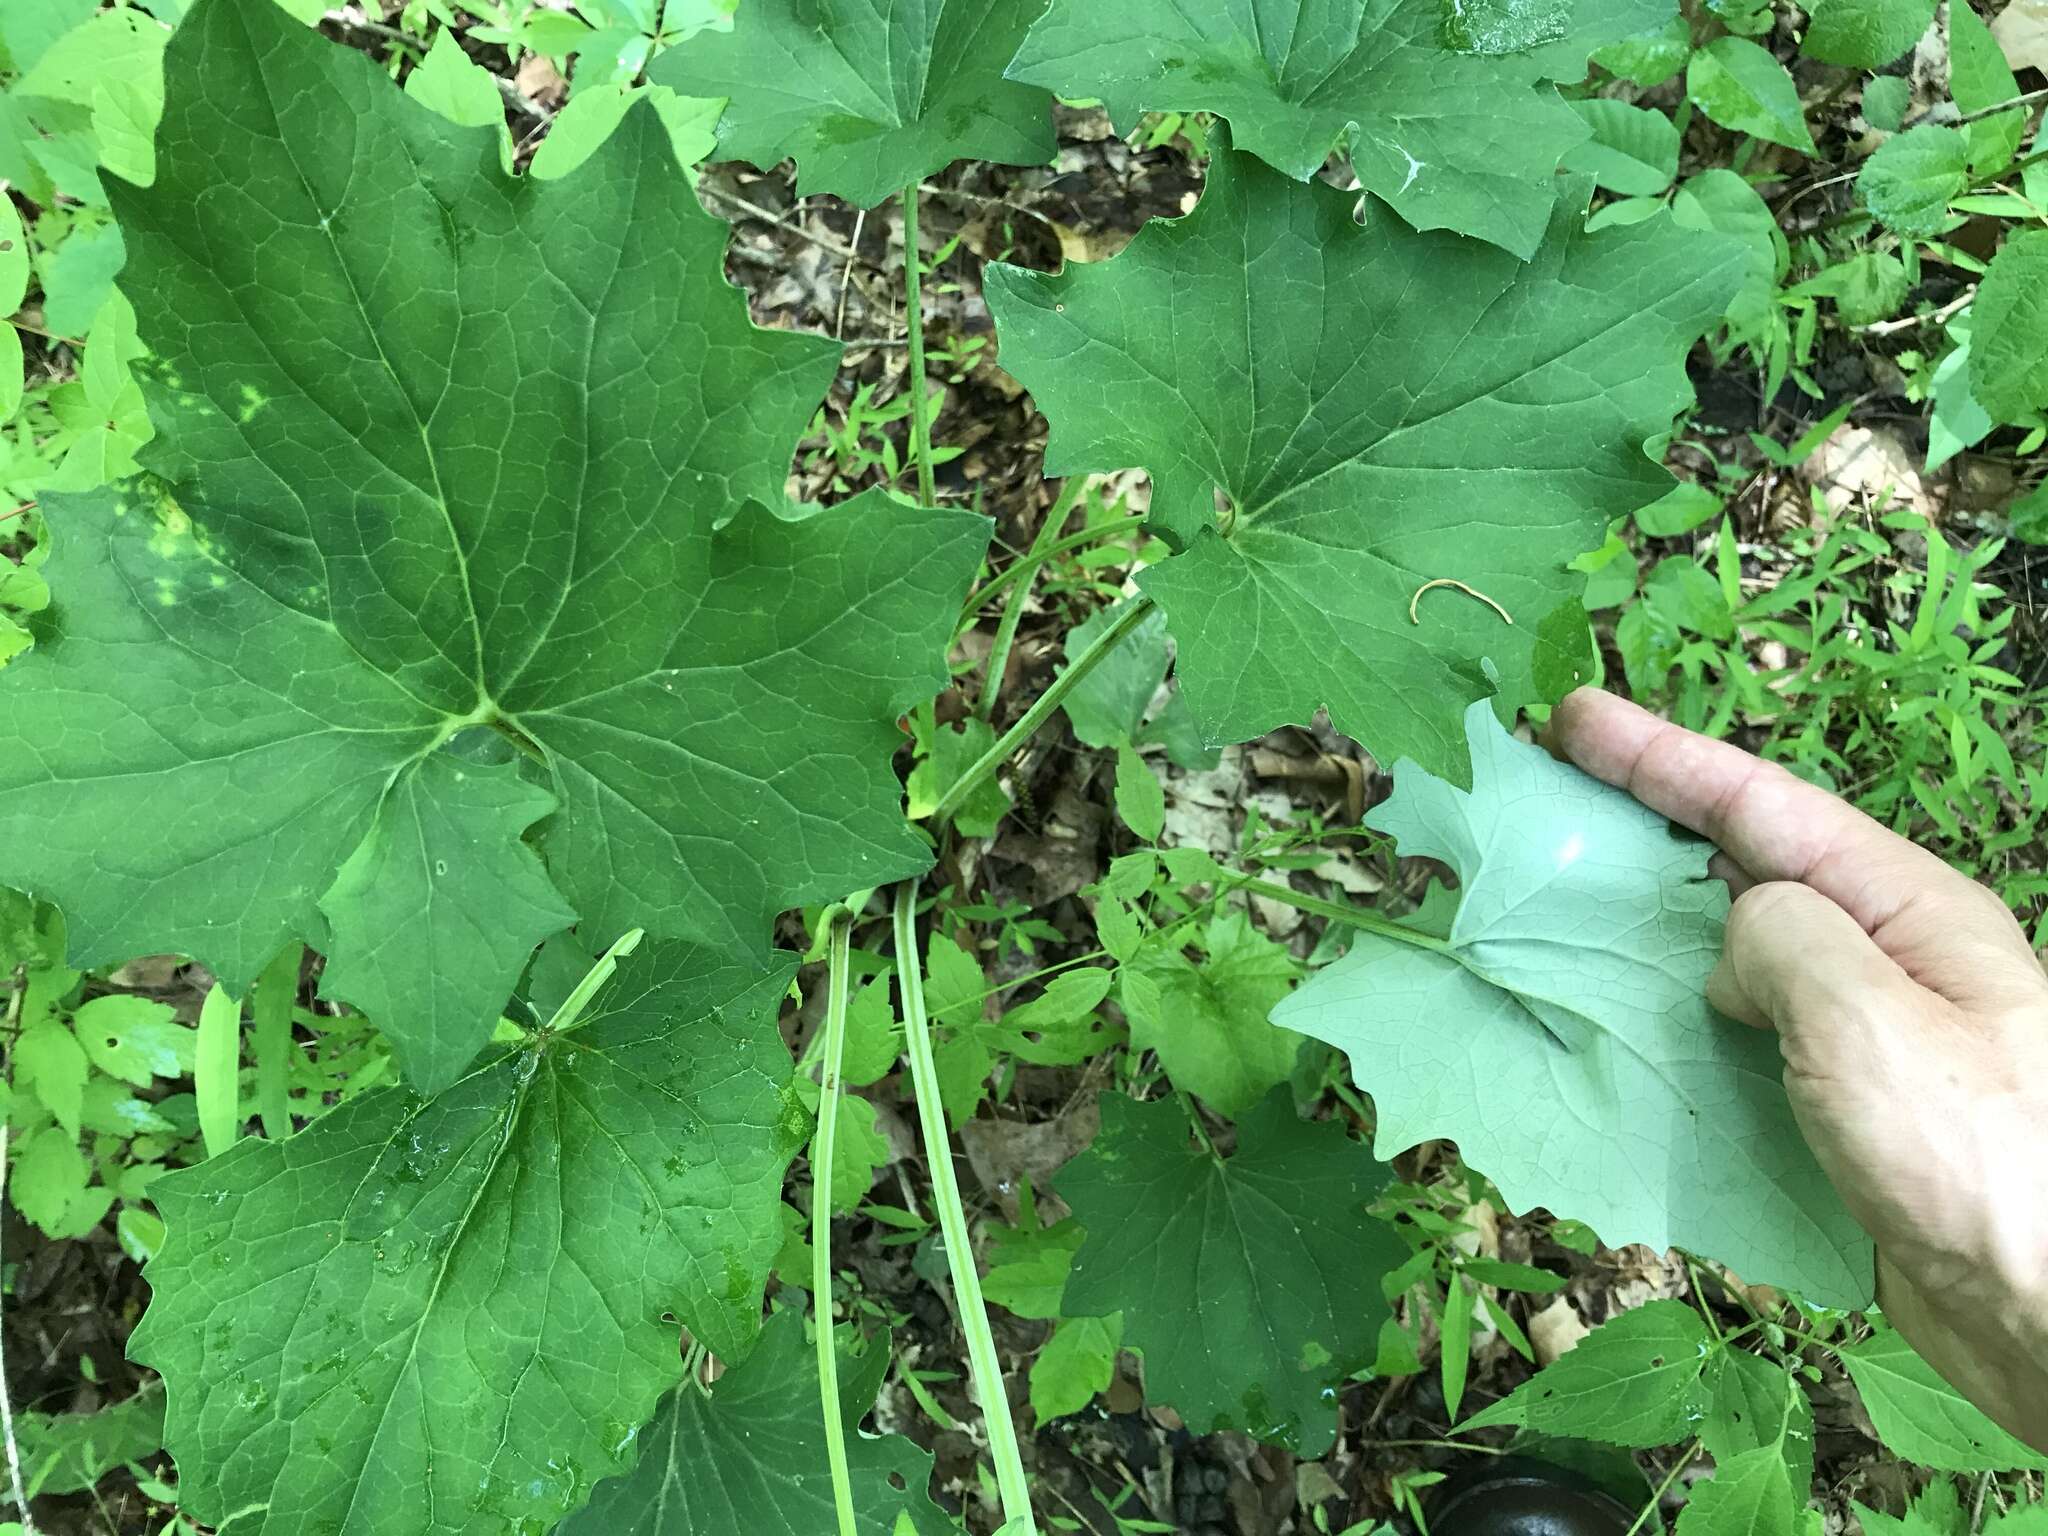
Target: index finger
[[1774, 824]]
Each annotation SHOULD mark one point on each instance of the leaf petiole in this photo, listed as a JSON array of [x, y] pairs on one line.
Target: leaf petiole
[[1337, 912], [1657, 1494], [1027, 565], [982, 1360], [920, 407], [1013, 610], [1040, 711], [271, 1007], [570, 1014], [838, 945]]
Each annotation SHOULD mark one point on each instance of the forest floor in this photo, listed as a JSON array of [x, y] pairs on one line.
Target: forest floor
[[819, 266]]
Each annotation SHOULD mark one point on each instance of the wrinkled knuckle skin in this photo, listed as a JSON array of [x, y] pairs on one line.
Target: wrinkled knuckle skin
[[1763, 909]]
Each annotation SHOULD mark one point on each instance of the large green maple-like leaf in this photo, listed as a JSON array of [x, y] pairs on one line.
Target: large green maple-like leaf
[[1251, 1284], [1562, 1035], [749, 1457], [450, 450], [868, 97], [452, 1314], [1596, 24], [1383, 409], [1449, 138]]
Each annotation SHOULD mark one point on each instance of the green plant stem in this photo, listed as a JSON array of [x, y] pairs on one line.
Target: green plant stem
[[838, 946], [1758, 1320], [1028, 565], [1037, 975], [693, 1367], [2031, 157], [570, 1012], [1446, 1445], [277, 989], [1657, 1493], [1013, 610], [2024, 99], [1337, 912], [987, 1370], [16, 1488], [913, 287], [216, 1071], [1040, 711], [1699, 1296], [1187, 1104]]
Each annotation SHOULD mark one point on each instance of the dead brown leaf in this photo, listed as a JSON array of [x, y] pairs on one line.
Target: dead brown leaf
[[2021, 30]]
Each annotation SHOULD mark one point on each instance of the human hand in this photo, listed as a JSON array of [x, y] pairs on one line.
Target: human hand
[[1913, 1018]]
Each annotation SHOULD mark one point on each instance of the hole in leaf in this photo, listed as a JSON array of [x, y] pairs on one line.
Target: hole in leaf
[[897, 1482]]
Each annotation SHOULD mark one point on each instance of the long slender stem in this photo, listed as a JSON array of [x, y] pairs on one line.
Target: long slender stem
[[920, 407], [1657, 1494], [1017, 570], [271, 1005], [838, 929], [1013, 610], [1338, 912], [2024, 99], [570, 1013], [14, 1482], [987, 1370], [1041, 710]]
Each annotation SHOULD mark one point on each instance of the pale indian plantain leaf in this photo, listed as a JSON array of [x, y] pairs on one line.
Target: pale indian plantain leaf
[[1250, 1284], [1562, 1035], [868, 97], [453, 1314], [748, 1459], [1448, 119], [447, 449], [1382, 410]]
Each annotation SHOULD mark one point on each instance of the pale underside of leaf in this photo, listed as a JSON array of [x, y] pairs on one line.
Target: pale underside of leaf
[[1563, 1038]]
